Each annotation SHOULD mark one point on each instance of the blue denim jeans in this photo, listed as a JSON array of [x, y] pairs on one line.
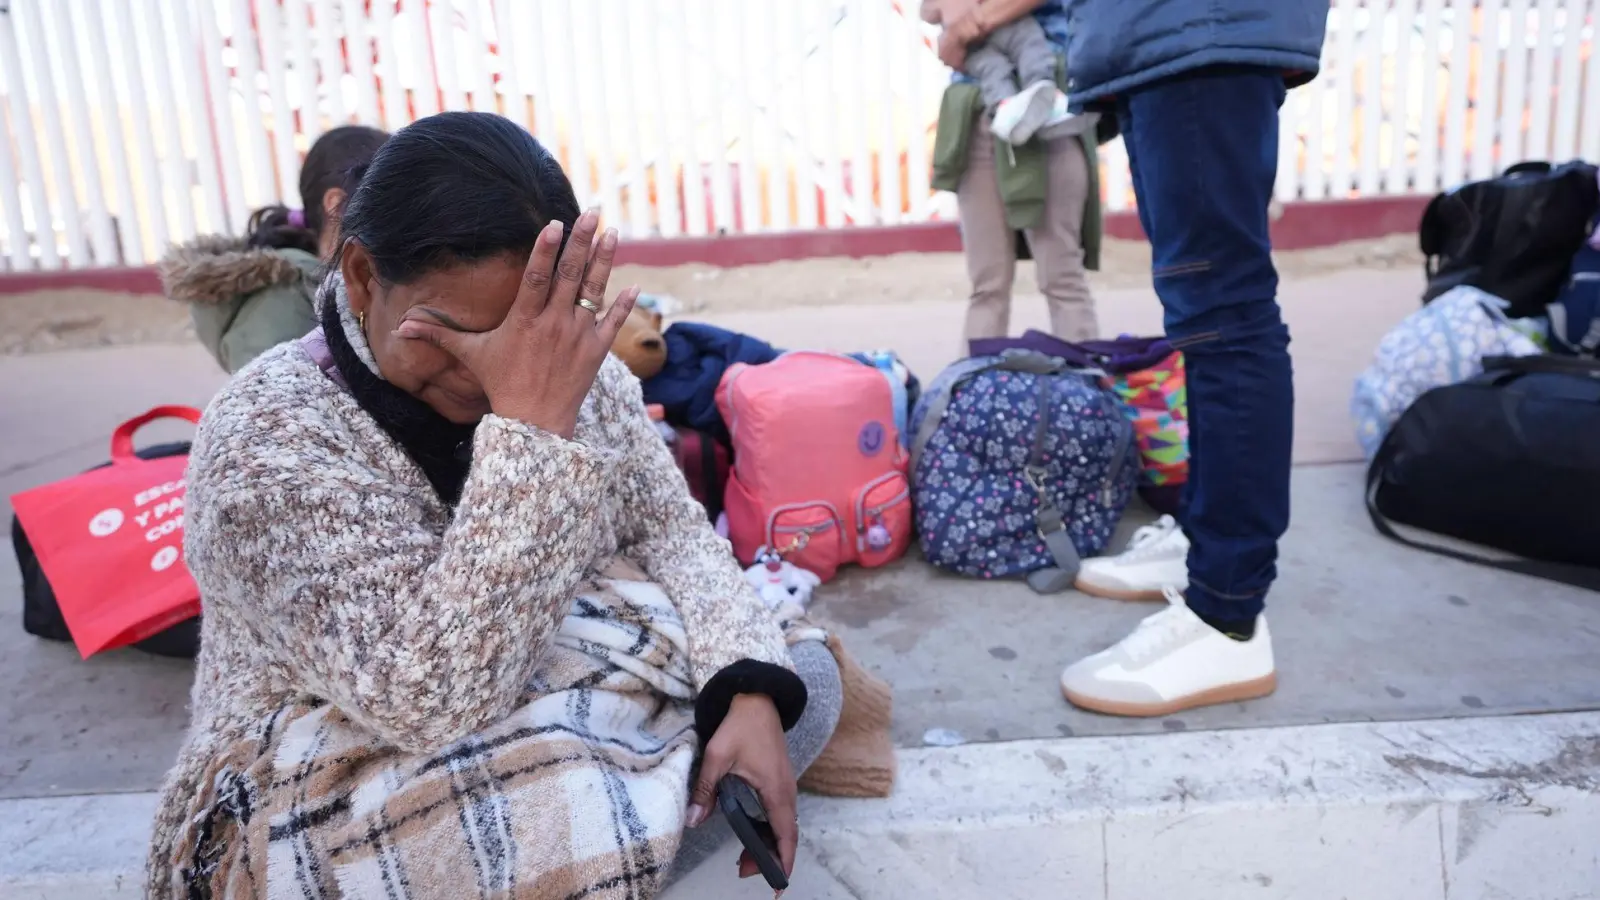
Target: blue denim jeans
[[1203, 148]]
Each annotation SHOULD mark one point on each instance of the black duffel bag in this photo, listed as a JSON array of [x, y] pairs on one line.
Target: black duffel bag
[[1512, 236], [41, 615], [1509, 460]]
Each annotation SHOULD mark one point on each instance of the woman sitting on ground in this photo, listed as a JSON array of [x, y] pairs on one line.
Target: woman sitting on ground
[[247, 295], [464, 622]]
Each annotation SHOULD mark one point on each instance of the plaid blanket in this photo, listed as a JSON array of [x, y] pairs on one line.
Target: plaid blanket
[[579, 793]]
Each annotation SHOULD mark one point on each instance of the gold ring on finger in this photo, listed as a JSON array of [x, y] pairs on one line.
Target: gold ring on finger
[[590, 305]]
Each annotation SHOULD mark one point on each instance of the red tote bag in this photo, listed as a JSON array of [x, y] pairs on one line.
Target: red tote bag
[[110, 542]]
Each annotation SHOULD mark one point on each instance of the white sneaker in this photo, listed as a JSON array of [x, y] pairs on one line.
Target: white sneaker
[[1173, 661], [1158, 556], [1020, 115]]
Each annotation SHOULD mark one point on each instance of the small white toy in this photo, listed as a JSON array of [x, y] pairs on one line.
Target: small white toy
[[779, 582]]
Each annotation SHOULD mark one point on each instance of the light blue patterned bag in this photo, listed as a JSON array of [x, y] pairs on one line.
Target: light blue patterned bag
[[1021, 465], [1442, 343]]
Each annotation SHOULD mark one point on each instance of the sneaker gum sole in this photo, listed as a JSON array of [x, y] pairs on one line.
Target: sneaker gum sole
[[1227, 693], [1132, 596]]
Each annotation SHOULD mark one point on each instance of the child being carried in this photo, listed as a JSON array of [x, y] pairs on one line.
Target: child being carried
[[1015, 68]]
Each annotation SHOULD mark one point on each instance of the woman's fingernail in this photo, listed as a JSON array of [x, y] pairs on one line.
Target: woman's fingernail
[[696, 812], [552, 232], [609, 241]]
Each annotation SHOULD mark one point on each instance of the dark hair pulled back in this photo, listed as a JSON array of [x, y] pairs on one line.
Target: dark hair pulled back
[[455, 187], [336, 160]]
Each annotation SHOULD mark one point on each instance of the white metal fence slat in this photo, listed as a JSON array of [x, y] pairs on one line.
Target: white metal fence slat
[[737, 51], [1540, 80], [586, 39], [1589, 142], [1514, 93], [328, 32], [390, 38], [148, 172], [221, 116], [19, 244], [617, 36], [1486, 102], [59, 161], [440, 29], [1346, 67], [1430, 122], [128, 223], [662, 172], [284, 126], [914, 59], [1372, 147], [1402, 21], [1568, 82], [297, 25], [177, 170], [249, 110], [853, 64], [358, 41], [563, 69], [480, 88], [199, 114], [829, 136], [888, 169], [670, 49], [1316, 97], [102, 240], [1454, 167], [1287, 184]]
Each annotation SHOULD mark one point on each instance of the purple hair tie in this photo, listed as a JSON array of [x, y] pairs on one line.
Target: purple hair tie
[[297, 218]]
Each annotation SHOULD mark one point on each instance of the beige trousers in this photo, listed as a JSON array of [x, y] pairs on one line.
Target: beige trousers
[[1056, 245]]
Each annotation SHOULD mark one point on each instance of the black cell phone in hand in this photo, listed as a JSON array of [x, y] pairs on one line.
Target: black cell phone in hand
[[748, 818]]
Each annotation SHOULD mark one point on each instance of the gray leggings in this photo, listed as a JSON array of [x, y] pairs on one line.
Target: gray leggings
[[825, 695]]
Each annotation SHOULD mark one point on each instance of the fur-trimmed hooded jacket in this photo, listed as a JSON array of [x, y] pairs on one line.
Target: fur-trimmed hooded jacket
[[244, 300]]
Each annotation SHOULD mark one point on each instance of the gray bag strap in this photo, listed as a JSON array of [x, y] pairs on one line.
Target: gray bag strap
[[1048, 519], [939, 401]]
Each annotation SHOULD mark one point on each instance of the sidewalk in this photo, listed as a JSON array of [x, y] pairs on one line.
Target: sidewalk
[[1470, 809], [1269, 799]]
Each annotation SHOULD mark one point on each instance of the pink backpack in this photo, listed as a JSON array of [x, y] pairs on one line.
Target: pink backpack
[[819, 474]]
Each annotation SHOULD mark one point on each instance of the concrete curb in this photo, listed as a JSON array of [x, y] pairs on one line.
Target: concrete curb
[[1465, 809]]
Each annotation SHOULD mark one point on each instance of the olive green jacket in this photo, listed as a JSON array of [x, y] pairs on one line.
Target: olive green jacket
[[1020, 171], [243, 300]]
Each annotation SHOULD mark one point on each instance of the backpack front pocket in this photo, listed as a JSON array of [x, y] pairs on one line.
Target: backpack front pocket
[[809, 535], [883, 520]]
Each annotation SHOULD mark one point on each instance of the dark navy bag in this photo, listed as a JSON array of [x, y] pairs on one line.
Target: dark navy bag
[[1508, 461], [1022, 464]]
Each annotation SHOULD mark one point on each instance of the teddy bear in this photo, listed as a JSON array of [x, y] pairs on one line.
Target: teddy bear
[[639, 343]]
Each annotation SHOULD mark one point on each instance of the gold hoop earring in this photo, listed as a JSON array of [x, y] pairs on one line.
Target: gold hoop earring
[[361, 322]]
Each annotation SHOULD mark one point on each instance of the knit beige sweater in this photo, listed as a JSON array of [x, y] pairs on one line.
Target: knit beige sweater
[[330, 569]]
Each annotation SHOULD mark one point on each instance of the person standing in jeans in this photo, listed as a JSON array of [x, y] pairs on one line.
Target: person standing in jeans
[[1196, 88]]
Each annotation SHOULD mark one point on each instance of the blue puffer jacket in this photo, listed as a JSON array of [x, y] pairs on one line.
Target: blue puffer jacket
[[1118, 45]]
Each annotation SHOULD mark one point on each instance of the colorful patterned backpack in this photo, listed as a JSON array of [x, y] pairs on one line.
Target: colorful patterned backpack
[[1440, 344], [1156, 400], [1022, 464]]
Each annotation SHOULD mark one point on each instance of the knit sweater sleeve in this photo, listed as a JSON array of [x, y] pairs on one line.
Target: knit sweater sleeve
[[419, 636], [664, 529]]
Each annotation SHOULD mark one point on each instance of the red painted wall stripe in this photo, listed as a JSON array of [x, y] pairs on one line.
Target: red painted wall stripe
[[1302, 225]]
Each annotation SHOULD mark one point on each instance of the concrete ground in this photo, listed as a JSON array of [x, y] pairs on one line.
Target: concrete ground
[[1366, 631]]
